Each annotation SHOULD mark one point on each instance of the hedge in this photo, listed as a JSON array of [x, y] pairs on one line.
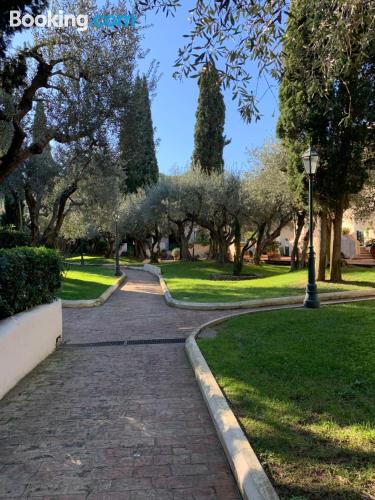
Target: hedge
[[10, 238], [28, 277]]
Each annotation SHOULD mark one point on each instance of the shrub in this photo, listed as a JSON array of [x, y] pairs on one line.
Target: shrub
[[28, 277], [10, 238], [176, 253], [202, 238], [273, 247]]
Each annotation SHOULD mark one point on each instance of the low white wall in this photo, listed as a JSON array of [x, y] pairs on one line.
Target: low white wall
[[348, 247], [152, 269], [26, 339]]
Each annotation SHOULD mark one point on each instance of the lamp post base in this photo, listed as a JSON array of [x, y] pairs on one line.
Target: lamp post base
[[311, 298]]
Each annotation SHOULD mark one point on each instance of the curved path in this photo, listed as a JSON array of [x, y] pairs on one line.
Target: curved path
[[115, 421]]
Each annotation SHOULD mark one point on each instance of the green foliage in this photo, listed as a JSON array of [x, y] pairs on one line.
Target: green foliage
[[202, 238], [74, 68], [273, 247], [10, 238], [176, 253], [28, 277], [335, 121], [229, 33], [32, 7], [209, 139], [13, 69], [137, 146]]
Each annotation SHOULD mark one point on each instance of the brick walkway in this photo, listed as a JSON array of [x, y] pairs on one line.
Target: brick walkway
[[117, 422]]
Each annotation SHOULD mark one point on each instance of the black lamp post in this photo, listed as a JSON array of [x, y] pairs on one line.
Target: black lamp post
[[310, 160], [117, 255]]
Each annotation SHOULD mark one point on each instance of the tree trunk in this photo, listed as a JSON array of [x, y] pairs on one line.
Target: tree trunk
[[33, 206], [110, 247], [81, 252], [52, 231], [335, 264], [302, 263], [238, 255], [329, 238], [139, 250], [154, 245], [295, 256], [13, 210], [259, 245], [184, 242], [213, 250], [258, 253], [154, 257], [154, 252], [19, 224], [222, 249], [321, 247], [184, 249]]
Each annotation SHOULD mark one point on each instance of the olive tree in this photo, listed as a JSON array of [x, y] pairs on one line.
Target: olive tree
[[143, 218], [268, 198], [82, 77], [219, 208], [181, 199]]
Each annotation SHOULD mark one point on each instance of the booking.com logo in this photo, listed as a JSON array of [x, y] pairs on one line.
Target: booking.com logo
[[61, 20]]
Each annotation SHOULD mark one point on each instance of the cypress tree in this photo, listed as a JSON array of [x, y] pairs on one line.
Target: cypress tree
[[209, 139], [332, 114], [137, 146]]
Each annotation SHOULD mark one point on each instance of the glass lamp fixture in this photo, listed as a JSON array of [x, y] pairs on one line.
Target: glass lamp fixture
[[310, 160]]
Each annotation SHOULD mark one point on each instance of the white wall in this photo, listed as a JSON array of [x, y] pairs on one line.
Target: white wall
[[26, 339], [348, 247]]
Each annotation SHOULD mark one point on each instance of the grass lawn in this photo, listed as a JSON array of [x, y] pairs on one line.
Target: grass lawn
[[302, 383], [90, 282], [190, 282], [99, 261]]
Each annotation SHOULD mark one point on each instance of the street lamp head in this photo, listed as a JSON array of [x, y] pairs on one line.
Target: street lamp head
[[310, 160]]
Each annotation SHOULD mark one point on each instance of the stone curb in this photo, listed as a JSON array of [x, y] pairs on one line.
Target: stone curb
[[88, 264], [99, 300], [249, 304], [251, 478]]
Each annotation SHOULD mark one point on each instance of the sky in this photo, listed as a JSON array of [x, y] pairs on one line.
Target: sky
[[175, 102]]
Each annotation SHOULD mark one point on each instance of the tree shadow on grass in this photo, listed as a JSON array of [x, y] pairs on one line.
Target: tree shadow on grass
[[304, 396], [307, 465], [363, 284]]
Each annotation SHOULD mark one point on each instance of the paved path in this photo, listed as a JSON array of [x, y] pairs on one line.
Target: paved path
[[114, 422]]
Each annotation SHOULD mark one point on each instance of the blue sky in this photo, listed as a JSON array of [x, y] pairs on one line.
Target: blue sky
[[175, 102]]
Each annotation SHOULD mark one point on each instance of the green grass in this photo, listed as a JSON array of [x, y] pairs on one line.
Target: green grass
[[80, 283], [302, 383], [190, 282], [99, 261]]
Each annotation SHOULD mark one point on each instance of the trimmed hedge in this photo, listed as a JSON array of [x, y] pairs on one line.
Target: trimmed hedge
[[28, 277], [10, 238]]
